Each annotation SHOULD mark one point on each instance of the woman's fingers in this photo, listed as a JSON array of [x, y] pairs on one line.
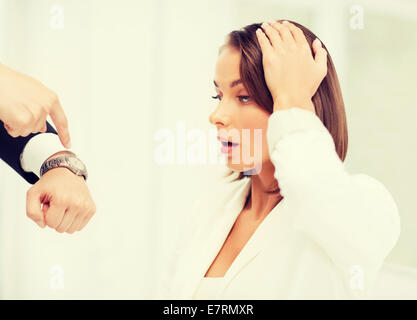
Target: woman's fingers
[[297, 34], [272, 34], [291, 35], [264, 43], [284, 31], [283, 34]]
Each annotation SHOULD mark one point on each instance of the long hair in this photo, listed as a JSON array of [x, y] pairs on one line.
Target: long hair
[[328, 100]]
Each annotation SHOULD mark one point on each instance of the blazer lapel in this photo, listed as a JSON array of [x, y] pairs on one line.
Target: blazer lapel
[[210, 239]]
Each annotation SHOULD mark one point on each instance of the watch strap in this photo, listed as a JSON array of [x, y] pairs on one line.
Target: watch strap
[[62, 161]]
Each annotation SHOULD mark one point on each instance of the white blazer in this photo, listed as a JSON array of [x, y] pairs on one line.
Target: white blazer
[[327, 238]]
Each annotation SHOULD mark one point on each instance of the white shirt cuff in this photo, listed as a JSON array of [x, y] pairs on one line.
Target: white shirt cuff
[[38, 149]]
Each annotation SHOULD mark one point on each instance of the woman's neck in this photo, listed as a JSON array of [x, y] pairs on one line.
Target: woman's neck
[[260, 199]]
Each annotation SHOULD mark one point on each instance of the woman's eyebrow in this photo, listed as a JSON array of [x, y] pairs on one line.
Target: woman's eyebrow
[[232, 84]]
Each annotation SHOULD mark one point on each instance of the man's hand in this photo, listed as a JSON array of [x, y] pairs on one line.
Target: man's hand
[[67, 203], [25, 104]]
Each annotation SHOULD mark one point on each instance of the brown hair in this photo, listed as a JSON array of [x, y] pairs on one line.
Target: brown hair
[[328, 100]]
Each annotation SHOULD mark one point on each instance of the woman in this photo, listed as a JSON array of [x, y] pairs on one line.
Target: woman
[[298, 226]]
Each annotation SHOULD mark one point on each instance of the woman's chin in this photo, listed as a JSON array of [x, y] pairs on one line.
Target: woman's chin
[[247, 170], [240, 168]]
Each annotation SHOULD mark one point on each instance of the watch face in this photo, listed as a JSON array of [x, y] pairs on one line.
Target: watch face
[[77, 164]]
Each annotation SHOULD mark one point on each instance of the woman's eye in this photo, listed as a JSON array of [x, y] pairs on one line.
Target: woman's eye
[[243, 98]]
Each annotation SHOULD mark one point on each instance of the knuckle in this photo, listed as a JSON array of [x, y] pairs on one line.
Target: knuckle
[[298, 31], [30, 192], [14, 133], [53, 98], [30, 214], [60, 230], [62, 200], [52, 222], [44, 109], [11, 129], [25, 119], [90, 214], [280, 26], [58, 199], [84, 213], [59, 202], [31, 117], [85, 221], [90, 205], [78, 205], [86, 204], [295, 28]]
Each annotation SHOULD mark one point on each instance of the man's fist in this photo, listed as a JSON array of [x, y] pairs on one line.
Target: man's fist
[[67, 203], [25, 104]]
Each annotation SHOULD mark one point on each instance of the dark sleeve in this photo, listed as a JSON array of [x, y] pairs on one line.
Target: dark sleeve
[[11, 148]]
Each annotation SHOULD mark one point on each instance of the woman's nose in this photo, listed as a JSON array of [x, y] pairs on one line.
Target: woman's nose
[[218, 116]]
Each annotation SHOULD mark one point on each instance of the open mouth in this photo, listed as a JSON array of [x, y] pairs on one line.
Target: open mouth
[[228, 144]]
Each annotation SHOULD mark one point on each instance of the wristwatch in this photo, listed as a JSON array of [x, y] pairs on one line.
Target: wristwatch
[[69, 161]]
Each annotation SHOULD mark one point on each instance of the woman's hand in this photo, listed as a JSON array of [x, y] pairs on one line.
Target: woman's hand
[[291, 72]]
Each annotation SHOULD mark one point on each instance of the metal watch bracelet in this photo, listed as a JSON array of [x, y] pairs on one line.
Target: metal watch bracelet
[[69, 161]]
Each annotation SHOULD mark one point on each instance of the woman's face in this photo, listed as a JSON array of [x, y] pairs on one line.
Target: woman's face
[[237, 117]]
